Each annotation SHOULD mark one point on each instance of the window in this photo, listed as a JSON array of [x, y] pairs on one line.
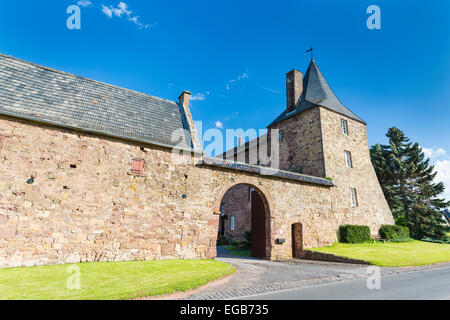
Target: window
[[281, 134], [353, 197], [348, 159], [344, 127], [250, 192], [137, 166], [232, 223]]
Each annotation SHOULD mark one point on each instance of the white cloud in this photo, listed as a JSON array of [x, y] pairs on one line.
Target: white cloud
[[243, 76], [434, 153], [441, 161], [122, 9], [271, 90], [219, 125], [239, 78], [107, 11], [198, 97], [443, 175], [84, 3]]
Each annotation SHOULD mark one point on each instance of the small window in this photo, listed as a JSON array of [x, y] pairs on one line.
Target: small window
[[232, 223], [345, 127], [250, 193], [281, 135], [348, 159], [138, 166], [353, 197]]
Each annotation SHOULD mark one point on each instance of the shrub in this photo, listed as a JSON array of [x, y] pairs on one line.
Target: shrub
[[446, 241], [390, 232], [247, 243], [223, 241], [354, 234]]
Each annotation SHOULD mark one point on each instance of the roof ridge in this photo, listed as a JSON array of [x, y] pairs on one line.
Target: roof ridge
[[82, 78]]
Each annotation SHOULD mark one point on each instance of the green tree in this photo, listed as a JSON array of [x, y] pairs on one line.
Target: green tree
[[379, 155], [407, 180]]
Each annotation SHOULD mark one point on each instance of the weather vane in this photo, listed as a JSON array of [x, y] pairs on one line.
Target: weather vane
[[310, 50]]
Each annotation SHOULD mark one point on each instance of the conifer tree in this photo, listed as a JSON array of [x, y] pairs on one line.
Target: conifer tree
[[407, 179]]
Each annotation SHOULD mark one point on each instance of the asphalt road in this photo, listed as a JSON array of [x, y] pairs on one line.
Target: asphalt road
[[432, 284]]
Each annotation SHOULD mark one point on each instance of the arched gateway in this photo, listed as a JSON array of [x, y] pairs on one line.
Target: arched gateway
[[245, 213]]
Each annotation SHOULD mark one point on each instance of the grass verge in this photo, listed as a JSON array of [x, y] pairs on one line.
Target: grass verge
[[404, 254], [109, 280], [239, 252]]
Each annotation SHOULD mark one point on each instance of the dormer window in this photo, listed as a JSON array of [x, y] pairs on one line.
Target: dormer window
[[344, 125]]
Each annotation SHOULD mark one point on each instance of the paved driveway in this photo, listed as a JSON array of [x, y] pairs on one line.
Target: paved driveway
[[256, 276], [432, 284]]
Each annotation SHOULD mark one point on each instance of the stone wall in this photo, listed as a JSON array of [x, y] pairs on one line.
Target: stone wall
[[236, 203], [372, 209], [314, 143], [301, 148], [84, 205]]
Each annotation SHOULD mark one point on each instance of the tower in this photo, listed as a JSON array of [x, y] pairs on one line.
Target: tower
[[319, 136]]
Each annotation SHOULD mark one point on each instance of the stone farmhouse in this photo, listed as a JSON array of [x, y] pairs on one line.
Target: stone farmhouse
[[93, 172]]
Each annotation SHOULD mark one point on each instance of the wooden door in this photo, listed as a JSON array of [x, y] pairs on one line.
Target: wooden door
[[297, 240], [258, 226]]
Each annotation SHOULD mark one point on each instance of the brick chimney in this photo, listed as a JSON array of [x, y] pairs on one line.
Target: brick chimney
[[184, 98], [294, 89]]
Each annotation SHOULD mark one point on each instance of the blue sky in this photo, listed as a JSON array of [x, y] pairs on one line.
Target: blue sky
[[233, 56]]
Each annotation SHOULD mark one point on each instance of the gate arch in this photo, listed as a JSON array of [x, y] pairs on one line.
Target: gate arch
[[260, 215]]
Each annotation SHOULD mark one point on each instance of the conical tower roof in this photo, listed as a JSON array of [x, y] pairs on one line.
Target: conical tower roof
[[317, 92]]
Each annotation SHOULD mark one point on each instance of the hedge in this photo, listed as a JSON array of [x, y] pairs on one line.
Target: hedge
[[427, 239], [354, 234], [390, 232]]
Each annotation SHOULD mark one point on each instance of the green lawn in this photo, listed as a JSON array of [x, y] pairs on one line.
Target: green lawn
[[110, 280], [236, 251], [395, 254]]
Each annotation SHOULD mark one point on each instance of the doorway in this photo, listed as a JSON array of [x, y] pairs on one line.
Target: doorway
[[297, 240], [244, 219]]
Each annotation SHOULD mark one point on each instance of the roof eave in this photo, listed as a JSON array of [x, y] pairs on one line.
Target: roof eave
[[96, 132], [299, 111]]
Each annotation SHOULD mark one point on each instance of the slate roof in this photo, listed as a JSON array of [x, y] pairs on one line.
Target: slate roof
[[33, 92], [317, 92], [265, 171]]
